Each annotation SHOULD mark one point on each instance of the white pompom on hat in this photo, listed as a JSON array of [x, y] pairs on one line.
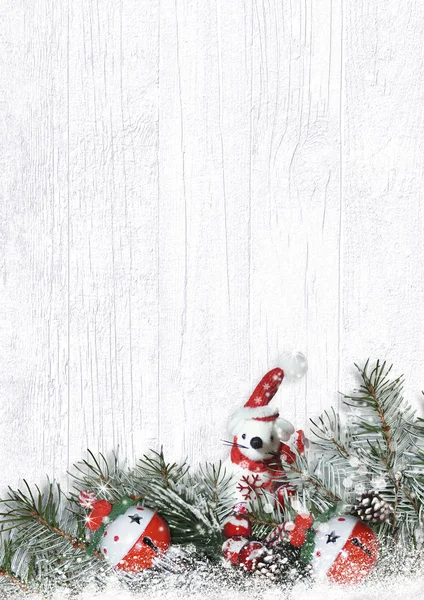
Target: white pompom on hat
[[257, 407]]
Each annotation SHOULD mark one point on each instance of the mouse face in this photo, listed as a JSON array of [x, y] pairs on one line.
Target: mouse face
[[257, 440]]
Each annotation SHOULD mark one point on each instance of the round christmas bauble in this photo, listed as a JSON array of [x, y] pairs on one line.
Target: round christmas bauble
[[294, 365], [134, 539], [249, 555], [231, 549], [237, 525], [346, 550], [240, 508]]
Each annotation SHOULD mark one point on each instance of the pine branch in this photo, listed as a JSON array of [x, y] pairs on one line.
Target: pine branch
[[14, 580], [329, 433], [8, 552], [155, 468], [314, 474], [110, 480], [43, 536], [389, 438]]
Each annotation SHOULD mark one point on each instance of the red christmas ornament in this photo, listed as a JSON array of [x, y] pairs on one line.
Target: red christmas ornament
[[100, 510], [130, 541], [346, 550], [237, 525], [249, 554], [231, 549], [133, 540], [240, 508]]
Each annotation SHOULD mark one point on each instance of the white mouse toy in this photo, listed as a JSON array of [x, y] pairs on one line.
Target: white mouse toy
[[258, 442]]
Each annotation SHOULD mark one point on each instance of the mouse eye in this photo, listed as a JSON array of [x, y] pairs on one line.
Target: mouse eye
[[244, 436], [272, 438]]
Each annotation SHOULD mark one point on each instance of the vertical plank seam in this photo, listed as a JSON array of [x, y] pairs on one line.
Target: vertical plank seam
[[68, 280], [341, 199], [158, 422], [129, 231], [250, 200], [184, 313], [220, 109]]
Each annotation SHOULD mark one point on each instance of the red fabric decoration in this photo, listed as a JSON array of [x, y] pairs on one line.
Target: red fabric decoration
[[101, 509], [301, 525], [266, 389]]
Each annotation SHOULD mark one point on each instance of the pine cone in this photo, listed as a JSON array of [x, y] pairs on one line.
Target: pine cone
[[272, 563], [373, 508]]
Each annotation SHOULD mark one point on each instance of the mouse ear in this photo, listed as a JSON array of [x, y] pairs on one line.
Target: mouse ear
[[284, 429]]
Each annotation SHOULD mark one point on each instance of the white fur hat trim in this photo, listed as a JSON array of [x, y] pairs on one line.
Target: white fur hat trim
[[247, 413]]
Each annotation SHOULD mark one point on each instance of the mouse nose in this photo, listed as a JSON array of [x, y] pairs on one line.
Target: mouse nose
[[256, 443]]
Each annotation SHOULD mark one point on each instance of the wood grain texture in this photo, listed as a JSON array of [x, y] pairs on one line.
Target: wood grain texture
[[383, 220], [188, 188], [34, 241]]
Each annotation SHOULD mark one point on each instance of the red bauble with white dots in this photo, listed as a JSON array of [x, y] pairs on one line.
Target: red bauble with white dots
[[249, 555], [236, 525], [346, 550], [231, 549], [133, 540]]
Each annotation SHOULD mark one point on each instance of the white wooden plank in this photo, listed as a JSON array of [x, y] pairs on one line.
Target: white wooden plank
[[204, 215], [208, 225], [34, 242], [383, 219], [113, 226], [295, 54]]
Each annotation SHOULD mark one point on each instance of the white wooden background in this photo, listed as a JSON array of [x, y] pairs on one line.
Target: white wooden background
[[189, 187]]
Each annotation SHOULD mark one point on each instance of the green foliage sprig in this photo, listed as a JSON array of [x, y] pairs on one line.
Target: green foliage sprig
[[375, 444]]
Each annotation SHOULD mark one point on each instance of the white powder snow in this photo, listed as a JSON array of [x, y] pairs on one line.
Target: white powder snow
[[214, 588]]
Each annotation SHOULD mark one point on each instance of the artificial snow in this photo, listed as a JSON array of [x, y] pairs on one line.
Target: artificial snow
[[396, 577], [393, 588]]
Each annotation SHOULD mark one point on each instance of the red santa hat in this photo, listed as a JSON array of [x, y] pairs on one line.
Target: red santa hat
[[257, 407]]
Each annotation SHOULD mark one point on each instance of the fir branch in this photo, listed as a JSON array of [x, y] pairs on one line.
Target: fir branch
[[376, 383], [75, 542], [328, 432], [302, 472], [43, 536], [42, 509], [8, 550], [155, 467], [14, 580], [389, 441], [109, 480]]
